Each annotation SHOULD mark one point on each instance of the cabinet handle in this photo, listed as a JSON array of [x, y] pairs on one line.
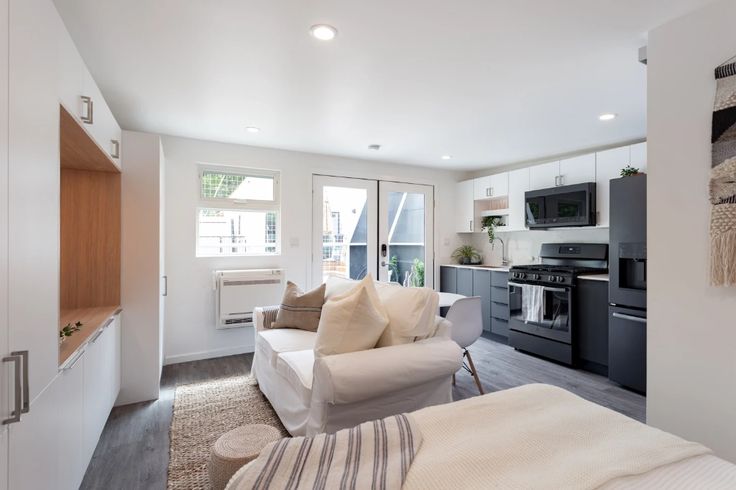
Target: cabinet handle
[[26, 391], [89, 113], [166, 285], [562, 180], [73, 363], [108, 322], [630, 318], [18, 404], [557, 180], [491, 191], [488, 191], [97, 336], [115, 149], [471, 225]]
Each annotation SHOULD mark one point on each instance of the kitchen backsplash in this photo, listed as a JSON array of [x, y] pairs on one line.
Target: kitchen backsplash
[[522, 247]]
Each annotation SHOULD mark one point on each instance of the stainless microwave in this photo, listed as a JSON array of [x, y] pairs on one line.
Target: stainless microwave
[[568, 205]]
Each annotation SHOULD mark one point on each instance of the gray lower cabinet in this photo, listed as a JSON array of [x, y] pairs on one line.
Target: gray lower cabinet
[[448, 279], [592, 325], [464, 281], [500, 305], [482, 288]]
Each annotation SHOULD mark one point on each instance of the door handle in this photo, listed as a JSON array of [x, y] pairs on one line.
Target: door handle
[[18, 403], [630, 318], [26, 391], [89, 114]]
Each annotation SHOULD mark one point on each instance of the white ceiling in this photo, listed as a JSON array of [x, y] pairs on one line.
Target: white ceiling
[[490, 82]]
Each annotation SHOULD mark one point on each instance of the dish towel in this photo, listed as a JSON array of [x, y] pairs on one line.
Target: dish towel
[[532, 303], [723, 180]]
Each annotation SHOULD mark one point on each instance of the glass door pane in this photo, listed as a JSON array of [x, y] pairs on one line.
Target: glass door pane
[[344, 232], [405, 231]]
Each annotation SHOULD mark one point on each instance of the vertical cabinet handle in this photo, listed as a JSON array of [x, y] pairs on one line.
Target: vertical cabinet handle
[[166, 286], [471, 225], [26, 391], [115, 149], [18, 404], [557, 180], [89, 114]]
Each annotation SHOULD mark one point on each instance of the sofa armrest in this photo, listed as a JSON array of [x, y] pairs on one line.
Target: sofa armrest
[[263, 316], [358, 376]]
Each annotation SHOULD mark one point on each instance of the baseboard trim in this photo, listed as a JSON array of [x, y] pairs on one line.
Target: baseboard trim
[[208, 354]]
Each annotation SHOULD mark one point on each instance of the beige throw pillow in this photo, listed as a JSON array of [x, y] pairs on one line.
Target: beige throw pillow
[[352, 321], [299, 309], [411, 313]]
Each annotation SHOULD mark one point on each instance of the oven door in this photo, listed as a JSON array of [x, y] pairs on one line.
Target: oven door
[[548, 316]]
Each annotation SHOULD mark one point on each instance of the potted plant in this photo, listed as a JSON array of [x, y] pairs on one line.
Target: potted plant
[[489, 224], [629, 171], [68, 330], [466, 254]]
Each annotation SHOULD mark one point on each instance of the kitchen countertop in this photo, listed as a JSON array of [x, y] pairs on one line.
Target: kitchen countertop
[[594, 277], [497, 268]]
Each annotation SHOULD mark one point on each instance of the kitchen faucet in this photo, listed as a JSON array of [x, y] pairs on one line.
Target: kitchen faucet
[[504, 259]]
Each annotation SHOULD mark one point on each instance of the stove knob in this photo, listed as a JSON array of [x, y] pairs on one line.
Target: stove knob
[[560, 279], [535, 277]]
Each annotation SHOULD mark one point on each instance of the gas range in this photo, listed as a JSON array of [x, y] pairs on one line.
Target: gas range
[[561, 275]]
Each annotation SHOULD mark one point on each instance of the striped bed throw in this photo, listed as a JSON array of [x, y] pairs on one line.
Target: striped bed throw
[[373, 455]]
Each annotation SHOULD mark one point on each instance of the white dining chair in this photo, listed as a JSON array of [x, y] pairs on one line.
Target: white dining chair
[[467, 325]]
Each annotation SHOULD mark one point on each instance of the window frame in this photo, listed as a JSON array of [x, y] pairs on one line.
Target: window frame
[[228, 203], [245, 205]]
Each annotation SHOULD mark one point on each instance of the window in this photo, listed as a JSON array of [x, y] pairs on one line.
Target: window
[[238, 212]]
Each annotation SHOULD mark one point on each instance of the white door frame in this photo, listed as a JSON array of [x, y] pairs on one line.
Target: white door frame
[[384, 227], [318, 184]]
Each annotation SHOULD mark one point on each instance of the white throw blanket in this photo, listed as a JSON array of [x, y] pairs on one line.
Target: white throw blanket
[[535, 437], [374, 455]]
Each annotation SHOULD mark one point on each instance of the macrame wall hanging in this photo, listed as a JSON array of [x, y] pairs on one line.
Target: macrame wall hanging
[[723, 179]]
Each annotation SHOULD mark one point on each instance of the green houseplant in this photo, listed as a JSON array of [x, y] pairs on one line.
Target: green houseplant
[[417, 273], [68, 330], [489, 224], [629, 171], [466, 254]]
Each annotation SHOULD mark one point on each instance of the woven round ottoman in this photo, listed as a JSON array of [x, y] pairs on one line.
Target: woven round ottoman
[[236, 448]]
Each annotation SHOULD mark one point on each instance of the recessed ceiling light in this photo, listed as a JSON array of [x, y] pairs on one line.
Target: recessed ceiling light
[[609, 116], [323, 32], [253, 129], [374, 147], [447, 157]]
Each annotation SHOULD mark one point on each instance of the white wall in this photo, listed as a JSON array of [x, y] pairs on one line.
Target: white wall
[[140, 272], [522, 247], [692, 326], [190, 313]]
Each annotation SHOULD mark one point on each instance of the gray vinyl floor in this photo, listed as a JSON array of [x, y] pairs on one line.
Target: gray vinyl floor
[[133, 451]]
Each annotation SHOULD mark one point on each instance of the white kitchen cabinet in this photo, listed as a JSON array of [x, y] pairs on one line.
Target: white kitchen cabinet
[[608, 166], [116, 357], [639, 156], [577, 170], [544, 176], [98, 387], [103, 128], [72, 462], [34, 191], [518, 185], [499, 185], [464, 206], [71, 71], [482, 187]]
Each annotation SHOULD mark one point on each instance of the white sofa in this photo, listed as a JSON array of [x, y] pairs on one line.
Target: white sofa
[[325, 394]]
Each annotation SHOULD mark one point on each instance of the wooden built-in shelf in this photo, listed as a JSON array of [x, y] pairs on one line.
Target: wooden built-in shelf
[[89, 282], [93, 318]]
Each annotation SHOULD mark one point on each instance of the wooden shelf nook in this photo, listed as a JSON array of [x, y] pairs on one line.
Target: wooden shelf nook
[[90, 234]]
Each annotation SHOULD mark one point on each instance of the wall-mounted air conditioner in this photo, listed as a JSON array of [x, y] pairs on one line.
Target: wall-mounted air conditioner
[[237, 292]]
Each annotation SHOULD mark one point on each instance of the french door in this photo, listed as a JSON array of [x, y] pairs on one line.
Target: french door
[[363, 226]]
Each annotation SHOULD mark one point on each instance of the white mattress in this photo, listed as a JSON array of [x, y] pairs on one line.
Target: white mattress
[[700, 472]]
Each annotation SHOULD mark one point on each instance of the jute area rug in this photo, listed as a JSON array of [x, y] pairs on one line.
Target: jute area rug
[[202, 413]]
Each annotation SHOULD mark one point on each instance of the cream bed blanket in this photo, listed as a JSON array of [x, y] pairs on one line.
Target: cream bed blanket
[[535, 437]]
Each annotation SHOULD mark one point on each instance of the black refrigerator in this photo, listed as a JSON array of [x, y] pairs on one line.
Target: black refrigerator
[[627, 291]]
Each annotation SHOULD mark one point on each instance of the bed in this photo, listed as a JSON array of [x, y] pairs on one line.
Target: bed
[[530, 437]]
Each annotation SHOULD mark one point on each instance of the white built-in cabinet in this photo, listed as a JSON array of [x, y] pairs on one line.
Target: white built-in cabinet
[[598, 167], [518, 185], [464, 206], [50, 446], [491, 186], [544, 176]]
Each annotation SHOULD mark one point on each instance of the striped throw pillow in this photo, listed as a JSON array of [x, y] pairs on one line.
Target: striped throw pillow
[[299, 309]]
